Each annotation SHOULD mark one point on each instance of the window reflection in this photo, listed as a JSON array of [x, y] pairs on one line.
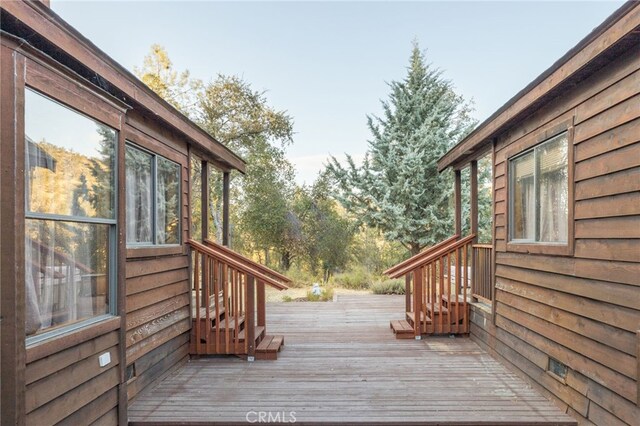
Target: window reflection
[[70, 217], [69, 161]]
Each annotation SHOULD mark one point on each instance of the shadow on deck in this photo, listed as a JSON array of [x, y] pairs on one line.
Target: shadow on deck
[[342, 364]]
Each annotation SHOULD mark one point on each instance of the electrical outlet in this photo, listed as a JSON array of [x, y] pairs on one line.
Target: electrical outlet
[[104, 359]]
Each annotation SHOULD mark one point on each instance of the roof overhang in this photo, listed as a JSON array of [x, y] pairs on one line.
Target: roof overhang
[[68, 45], [574, 66]]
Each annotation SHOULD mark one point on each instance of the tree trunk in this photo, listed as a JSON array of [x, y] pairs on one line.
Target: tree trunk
[[285, 261], [415, 249]]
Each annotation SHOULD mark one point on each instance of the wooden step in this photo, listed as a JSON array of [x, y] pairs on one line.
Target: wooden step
[[230, 323], [402, 329], [258, 333], [411, 318], [269, 347], [446, 297], [437, 310]]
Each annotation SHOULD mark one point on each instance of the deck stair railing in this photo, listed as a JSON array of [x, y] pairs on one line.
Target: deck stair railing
[[228, 303], [482, 273], [438, 289]]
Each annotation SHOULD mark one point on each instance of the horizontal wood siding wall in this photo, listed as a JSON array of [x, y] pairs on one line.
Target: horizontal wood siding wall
[[157, 283], [64, 381], [583, 309]]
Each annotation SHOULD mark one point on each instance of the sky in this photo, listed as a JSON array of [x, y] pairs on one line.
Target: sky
[[328, 64]]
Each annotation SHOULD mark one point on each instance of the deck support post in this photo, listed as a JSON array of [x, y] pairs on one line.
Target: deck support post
[[458, 201], [205, 199], [474, 222], [226, 177]]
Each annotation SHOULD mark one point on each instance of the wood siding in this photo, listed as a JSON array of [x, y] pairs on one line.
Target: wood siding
[[583, 308], [64, 382], [157, 279]]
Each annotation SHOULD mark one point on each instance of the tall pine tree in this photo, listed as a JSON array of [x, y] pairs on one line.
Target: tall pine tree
[[398, 188]]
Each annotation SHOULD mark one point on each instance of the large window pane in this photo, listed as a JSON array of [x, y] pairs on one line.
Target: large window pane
[[523, 198], [67, 274], [139, 172], [168, 226], [553, 191], [69, 161]]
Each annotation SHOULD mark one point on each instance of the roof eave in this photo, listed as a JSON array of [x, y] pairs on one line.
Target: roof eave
[[617, 26]]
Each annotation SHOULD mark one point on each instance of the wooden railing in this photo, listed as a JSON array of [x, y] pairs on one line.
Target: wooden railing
[[228, 300], [437, 300], [482, 272]]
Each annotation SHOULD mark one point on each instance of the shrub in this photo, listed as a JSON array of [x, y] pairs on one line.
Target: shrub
[[355, 279], [388, 287], [326, 294], [287, 298], [299, 277]]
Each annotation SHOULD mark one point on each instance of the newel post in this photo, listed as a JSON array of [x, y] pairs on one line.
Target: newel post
[[250, 318]]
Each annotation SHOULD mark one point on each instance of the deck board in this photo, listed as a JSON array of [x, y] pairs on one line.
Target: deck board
[[343, 364]]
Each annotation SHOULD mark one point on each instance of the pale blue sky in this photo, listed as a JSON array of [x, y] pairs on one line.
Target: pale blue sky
[[327, 63]]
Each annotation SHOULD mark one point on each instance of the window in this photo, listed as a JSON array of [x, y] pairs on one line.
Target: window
[[69, 218], [539, 193], [153, 198]]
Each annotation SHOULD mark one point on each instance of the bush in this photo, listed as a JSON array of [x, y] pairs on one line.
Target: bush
[[287, 298], [355, 279], [388, 287], [325, 295], [299, 277]]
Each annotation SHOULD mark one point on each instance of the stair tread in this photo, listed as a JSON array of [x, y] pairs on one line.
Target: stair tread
[[437, 309], [270, 344], [258, 330], [446, 297], [230, 322], [401, 326], [411, 315]]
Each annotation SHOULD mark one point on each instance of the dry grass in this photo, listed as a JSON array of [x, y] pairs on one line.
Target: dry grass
[[274, 295]]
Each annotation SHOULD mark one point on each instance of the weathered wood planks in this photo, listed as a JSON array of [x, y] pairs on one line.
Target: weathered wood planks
[[342, 365]]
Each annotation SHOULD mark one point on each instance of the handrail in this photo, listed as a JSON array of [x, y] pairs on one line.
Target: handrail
[[244, 265], [422, 260], [420, 255], [227, 251]]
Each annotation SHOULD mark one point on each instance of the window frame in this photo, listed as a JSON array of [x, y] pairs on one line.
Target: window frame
[[142, 248], [37, 77], [546, 134]]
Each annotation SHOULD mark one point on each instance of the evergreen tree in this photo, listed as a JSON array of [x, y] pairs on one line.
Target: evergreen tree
[[398, 188]]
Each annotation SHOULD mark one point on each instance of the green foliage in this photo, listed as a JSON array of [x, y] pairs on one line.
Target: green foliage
[[177, 88], [326, 234], [398, 189], [396, 286], [287, 298], [326, 295], [300, 277], [358, 278], [484, 200]]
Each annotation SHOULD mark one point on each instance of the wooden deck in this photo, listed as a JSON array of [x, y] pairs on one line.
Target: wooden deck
[[342, 364]]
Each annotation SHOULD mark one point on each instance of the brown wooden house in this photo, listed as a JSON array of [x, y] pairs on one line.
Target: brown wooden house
[[556, 296], [99, 178]]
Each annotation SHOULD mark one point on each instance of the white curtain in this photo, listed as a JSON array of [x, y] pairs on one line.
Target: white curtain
[[138, 199]]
